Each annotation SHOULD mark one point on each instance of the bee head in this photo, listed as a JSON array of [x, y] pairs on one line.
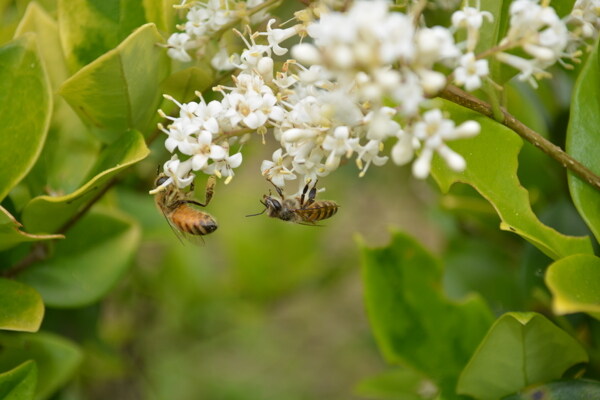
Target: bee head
[[272, 205], [160, 180]]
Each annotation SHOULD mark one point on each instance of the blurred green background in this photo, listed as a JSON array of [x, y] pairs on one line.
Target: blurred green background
[[262, 310]]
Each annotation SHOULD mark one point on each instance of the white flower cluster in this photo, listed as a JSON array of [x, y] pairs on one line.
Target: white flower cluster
[[204, 18], [586, 19], [542, 35], [363, 81]]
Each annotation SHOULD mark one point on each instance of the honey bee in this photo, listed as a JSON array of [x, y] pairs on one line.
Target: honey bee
[[175, 206], [302, 209]]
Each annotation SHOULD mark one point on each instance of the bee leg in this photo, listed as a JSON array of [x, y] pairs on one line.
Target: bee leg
[[304, 194], [312, 194], [277, 188], [210, 189]]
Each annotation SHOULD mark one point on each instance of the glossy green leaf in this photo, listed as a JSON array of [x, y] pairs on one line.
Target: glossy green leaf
[[575, 284], [48, 213], [19, 383], [26, 106], [56, 358], [580, 389], [21, 307], [492, 32], [492, 161], [162, 13], [402, 384], [520, 349], [11, 234], [67, 134], [38, 21], [90, 28], [121, 89], [87, 264], [563, 7], [583, 140], [183, 84], [410, 317]]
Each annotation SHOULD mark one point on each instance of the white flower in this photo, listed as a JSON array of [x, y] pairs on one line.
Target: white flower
[[222, 61], [337, 144], [276, 36], [403, 150], [470, 72], [435, 44], [471, 18], [179, 172], [180, 136], [205, 150], [224, 167], [197, 21], [586, 14], [380, 124], [307, 54], [432, 132], [275, 170], [178, 44], [368, 154]]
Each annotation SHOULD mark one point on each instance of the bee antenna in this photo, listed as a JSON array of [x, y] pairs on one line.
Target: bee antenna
[[254, 215], [260, 213]]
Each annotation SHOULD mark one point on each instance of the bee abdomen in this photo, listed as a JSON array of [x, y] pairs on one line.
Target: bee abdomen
[[319, 210], [193, 221]]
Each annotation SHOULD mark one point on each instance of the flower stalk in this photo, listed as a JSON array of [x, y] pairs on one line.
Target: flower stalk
[[462, 98]]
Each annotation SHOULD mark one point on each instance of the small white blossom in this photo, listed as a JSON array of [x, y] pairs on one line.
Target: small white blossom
[[470, 72], [432, 132], [471, 18], [586, 14], [368, 154], [178, 44], [275, 170]]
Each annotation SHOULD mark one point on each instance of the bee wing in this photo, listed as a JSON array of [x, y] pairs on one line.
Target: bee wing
[[184, 236]]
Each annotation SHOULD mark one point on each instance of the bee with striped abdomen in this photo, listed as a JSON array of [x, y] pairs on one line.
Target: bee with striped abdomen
[[301, 209], [179, 210]]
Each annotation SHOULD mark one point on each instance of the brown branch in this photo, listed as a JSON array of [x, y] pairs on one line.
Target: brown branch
[[77, 216], [467, 100], [38, 252]]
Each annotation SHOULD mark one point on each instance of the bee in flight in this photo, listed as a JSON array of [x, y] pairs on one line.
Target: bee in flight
[[179, 211], [301, 209]]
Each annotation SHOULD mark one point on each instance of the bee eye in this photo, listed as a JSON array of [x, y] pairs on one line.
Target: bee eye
[[276, 205], [161, 180]]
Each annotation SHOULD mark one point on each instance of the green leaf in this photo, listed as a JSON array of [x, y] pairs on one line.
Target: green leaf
[[402, 384], [38, 21], [410, 316], [183, 84], [162, 13], [87, 264], [579, 389], [563, 7], [56, 358], [121, 89], [19, 383], [583, 140], [492, 32], [48, 213], [575, 284], [520, 349], [492, 161], [21, 307], [67, 134], [11, 235], [26, 106], [90, 28]]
